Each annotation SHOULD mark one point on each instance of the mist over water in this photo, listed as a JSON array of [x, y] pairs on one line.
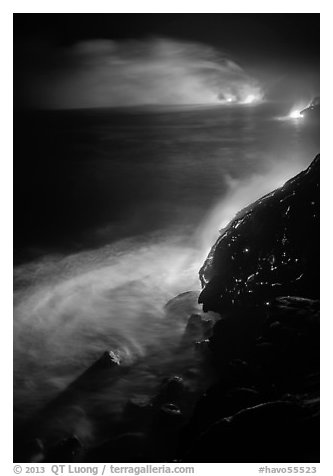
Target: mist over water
[[165, 182], [81, 305], [154, 71]]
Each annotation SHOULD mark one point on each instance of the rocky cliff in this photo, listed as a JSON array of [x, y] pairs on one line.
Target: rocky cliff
[[262, 277], [271, 248], [251, 390]]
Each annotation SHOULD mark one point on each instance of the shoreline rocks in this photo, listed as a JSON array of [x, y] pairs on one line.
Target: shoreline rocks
[[255, 354], [270, 249], [262, 277]]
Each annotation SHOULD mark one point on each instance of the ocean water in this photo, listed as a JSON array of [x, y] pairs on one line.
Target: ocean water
[[115, 211]]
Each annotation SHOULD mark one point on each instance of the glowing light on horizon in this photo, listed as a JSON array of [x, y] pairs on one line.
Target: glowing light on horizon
[[295, 114], [250, 99], [147, 72]]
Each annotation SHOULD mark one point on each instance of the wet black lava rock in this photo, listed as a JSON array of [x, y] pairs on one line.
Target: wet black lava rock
[[197, 329], [277, 431], [138, 413], [69, 449], [280, 343], [130, 447], [173, 390], [271, 248], [262, 277]]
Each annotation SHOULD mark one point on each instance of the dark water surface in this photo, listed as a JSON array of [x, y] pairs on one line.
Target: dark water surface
[[114, 213], [85, 178]]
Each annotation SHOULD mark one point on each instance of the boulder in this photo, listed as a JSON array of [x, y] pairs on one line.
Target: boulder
[[270, 249], [262, 278], [173, 392], [69, 449], [197, 329], [138, 412], [129, 447], [279, 432]]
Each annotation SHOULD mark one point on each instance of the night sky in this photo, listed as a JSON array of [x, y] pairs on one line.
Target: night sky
[[91, 60]]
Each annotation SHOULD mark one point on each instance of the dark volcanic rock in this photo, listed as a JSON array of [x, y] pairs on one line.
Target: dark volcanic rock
[[130, 447], [70, 450], [34, 451], [71, 407], [312, 112], [272, 432], [173, 390], [197, 329], [271, 248], [292, 333], [182, 306], [107, 368], [262, 277], [138, 412], [235, 335], [281, 372]]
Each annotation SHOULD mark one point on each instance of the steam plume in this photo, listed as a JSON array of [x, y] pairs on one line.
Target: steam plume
[[102, 73]]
